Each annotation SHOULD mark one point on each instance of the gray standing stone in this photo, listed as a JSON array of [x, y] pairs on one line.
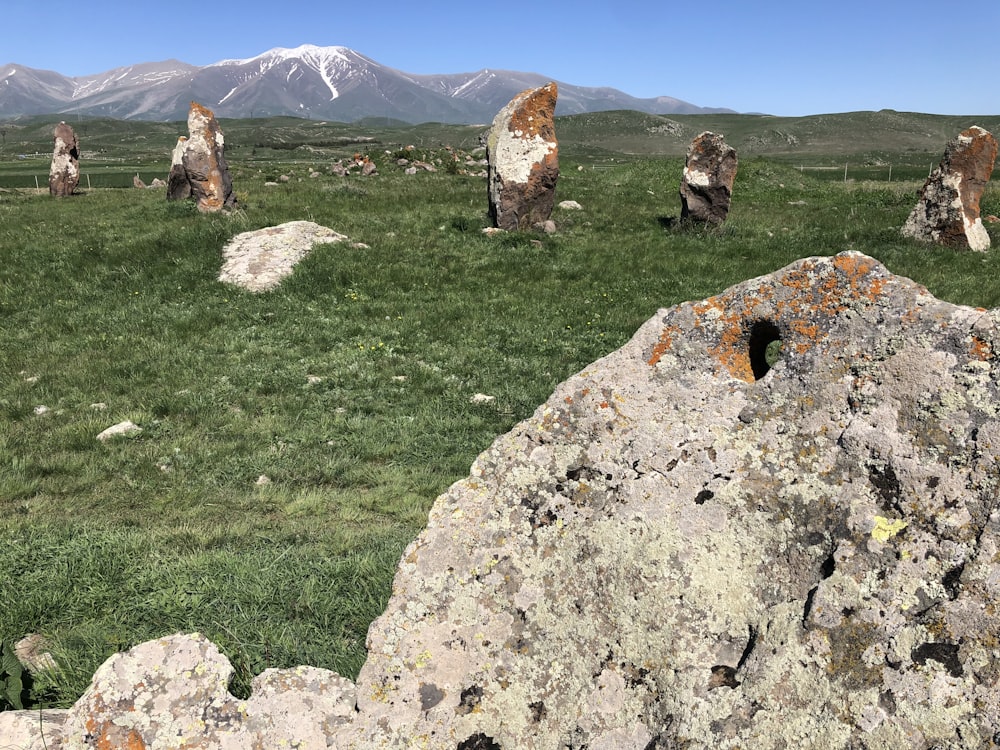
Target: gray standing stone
[[64, 172], [523, 157], [948, 210], [200, 162], [178, 185], [707, 183], [697, 541]]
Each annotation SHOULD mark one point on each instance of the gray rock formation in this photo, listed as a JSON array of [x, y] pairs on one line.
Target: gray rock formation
[[707, 182], [259, 260], [64, 172], [698, 541], [523, 157], [198, 166], [948, 210]]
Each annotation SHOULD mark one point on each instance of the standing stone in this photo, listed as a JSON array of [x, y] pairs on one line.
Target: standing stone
[[64, 174], [178, 186], [523, 158], [948, 210], [203, 160], [707, 184]]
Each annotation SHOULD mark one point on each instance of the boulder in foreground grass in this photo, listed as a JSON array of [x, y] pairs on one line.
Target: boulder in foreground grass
[[948, 210], [695, 542]]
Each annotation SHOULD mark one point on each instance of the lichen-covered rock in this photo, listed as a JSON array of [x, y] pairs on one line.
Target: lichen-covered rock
[[64, 172], [32, 730], [770, 520], [697, 542], [523, 157], [198, 165], [948, 210], [172, 693], [707, 182], [260, 259]]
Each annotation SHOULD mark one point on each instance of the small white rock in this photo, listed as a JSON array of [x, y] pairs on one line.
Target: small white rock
[[482, 398], [262, 480], [313, 379], [122, 428], [41, 409], [99, 406], [570, 206]]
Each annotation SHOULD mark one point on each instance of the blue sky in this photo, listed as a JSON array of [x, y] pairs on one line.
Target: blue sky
[[776, 57]]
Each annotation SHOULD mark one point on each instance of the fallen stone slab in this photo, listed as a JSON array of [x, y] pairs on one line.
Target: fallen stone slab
[[261, 259]]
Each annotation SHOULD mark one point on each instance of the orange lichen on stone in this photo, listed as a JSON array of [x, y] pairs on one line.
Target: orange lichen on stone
[[535, 116], [663, 345], [105, 737], [981, 350]]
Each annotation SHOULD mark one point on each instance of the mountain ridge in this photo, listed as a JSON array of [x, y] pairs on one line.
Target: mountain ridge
[[332, 82]]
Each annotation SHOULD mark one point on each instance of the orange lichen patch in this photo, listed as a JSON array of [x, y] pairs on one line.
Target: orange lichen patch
[[568, 399], [109, 737], [981, 350], [667, 336], [798, 302], [534, 111], [604, 404]]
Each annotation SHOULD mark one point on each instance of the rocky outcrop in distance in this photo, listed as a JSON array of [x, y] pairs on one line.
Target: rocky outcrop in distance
[[523, 156], [948, 210], [770, 520]]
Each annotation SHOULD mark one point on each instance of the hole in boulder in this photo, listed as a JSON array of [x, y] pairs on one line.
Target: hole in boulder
[[765, 347], [478, 741]]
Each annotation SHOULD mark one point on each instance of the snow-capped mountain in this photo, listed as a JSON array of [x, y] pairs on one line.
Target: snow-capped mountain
[[333, 83]]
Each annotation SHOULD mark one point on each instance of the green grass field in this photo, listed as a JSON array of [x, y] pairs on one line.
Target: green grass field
[[348, 387]]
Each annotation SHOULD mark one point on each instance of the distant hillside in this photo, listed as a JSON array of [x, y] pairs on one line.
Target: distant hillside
[[860, 136], [334, 83]]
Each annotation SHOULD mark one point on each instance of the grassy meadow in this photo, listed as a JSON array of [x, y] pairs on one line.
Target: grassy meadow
[[350, 387]]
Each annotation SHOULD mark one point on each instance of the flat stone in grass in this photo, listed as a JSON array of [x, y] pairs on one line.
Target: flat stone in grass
[[258, 261]]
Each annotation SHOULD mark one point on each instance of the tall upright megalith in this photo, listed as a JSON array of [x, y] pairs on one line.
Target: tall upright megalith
[[523, 157], [948, 210], [64, 173], [202, 164], [707, 183]]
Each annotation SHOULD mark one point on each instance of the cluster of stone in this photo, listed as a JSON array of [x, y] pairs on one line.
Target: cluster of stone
[[707, 182], [198, 167], [694, 542], [64, 172], [948, 210], [362, 164], [523, 160]]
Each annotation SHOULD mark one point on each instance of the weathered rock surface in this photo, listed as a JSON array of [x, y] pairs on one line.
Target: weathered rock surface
[[523, 157], [707, 182], [64, 172], [261, 259], [948, 210], [31, 730], [696, 542], [198, 165]]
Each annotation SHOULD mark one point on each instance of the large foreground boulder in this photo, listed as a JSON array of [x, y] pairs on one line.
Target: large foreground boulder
[[64, 171], [523, 157], [198, 166], [770, 520], [707, 181], [948, 210]]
